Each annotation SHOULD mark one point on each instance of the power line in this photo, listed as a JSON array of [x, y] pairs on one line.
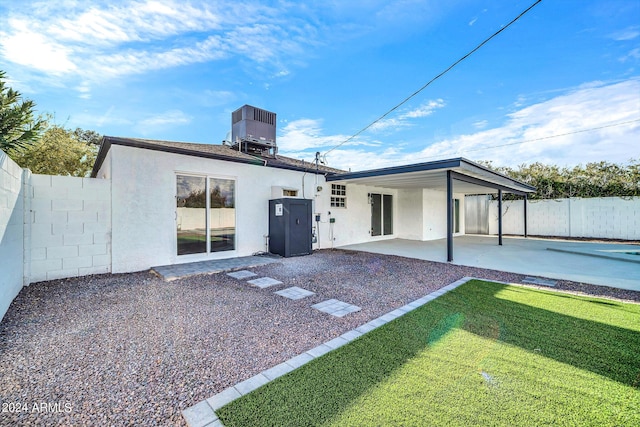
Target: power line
[[533, 140], [435, 78]]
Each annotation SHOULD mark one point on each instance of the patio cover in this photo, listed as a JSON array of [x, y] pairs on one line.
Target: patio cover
[[464, 175]]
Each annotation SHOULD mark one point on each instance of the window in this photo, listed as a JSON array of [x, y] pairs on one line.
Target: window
[[289, 193], [338, 196]]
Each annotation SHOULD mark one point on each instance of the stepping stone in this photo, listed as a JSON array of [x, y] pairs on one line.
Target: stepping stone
[[336, 308], [539, 281], [295, 293], [264, 282], [242, 274]]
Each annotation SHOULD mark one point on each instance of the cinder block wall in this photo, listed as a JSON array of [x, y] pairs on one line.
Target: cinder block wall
[[11, 231], [598, 217], [70, 227]]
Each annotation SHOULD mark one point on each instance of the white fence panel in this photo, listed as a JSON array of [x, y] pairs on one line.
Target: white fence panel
[[11, 231], [71, 227], [601, 217]]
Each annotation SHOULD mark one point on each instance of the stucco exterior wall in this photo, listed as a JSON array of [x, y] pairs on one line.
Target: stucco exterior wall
[[11, 231], [145, 216], [126, 219], [353, 223], [410, 214], [418, 214], [434, 204], [144, 209]]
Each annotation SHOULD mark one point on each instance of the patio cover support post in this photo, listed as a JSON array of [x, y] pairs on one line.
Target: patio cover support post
[[449, 216], [500, 217], [525, 215]]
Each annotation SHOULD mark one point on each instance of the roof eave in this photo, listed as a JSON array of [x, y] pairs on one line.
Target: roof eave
[[105, 145], [507, 184], [107, 141], [416, 167]]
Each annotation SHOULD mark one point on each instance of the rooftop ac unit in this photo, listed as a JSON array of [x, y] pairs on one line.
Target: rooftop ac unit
[[254, 130]]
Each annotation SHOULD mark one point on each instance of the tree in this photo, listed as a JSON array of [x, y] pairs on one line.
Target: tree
[[89, 137], [58, 152], [18, 127], [596, 179]]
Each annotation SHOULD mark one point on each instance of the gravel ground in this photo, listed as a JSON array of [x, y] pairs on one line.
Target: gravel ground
[[131, 349]]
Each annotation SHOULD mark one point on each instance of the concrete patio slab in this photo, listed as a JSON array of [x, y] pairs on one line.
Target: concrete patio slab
[[336, 308], [605, 264], [242, 274], [294, 293], [264, 282], [179, 271]]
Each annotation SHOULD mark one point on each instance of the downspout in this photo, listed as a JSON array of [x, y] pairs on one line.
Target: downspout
[[303, 176]]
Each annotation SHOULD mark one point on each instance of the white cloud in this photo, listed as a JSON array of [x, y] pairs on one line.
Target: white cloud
[[26, 47], [163, 121], [404, 119], [135, 61], [99, 120], [171, 117], [97, 40], [349, 158], [481, 124], [585, 108], [424, 110], [301, 139], [302, 134], [85, 90], [534, 133], [628, 33], [473, 21], [633, 54]]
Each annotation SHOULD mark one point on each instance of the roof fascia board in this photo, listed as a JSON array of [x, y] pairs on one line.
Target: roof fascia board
[[477, 181], [107, 141], [486, 169], [105, 145], [177, 150], [417, 167], [440, 165]]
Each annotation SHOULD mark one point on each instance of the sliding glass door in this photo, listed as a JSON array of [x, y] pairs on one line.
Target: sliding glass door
[[381, 214], [205, 214]]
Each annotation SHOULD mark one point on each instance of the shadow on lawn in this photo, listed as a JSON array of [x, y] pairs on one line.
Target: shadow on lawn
[[324, 388], [594, 346]]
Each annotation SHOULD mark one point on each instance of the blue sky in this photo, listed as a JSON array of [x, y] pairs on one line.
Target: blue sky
[[175, 70]]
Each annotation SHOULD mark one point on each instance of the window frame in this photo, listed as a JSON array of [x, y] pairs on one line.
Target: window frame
[[208, 179], [338, 196]]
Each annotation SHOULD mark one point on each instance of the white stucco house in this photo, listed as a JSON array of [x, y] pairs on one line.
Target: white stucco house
[[175, 202], [150, 203]]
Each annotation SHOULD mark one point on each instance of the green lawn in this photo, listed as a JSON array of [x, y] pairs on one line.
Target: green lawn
[[483, 354]]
